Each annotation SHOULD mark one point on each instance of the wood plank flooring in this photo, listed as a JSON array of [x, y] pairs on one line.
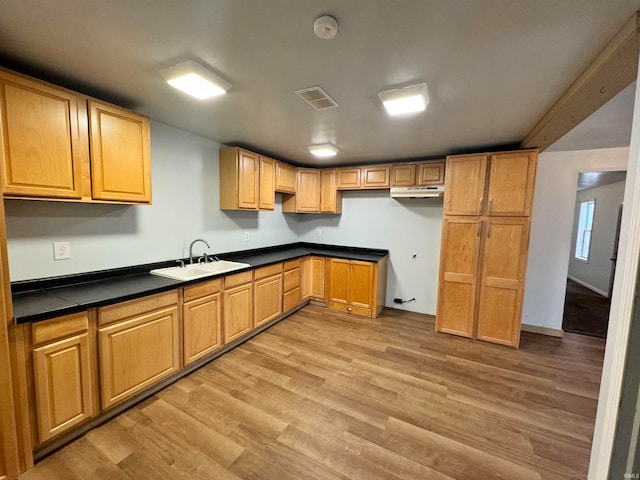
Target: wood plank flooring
[[324, 395]]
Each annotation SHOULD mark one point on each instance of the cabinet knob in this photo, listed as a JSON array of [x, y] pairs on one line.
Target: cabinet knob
[[349, 309]]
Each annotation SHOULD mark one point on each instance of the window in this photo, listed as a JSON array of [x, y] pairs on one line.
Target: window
[[585, 224]]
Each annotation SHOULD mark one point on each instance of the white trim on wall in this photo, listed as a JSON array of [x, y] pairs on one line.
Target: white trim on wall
[[621, 311], [586, 285]]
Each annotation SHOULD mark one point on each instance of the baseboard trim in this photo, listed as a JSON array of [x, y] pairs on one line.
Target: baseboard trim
[[551, 332], [590, 287]]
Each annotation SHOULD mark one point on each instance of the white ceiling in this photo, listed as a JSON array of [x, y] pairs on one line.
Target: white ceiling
[[493, 67]]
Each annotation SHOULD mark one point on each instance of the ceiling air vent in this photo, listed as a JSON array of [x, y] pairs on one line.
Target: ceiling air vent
[[317, 98]]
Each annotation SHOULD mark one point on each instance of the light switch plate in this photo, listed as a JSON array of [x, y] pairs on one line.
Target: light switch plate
[[61, 251]]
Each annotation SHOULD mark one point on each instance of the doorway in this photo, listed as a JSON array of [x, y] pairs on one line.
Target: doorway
[[594, 246]]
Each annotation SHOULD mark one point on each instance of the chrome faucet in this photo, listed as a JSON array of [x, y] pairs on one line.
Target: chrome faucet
[[191, 248]]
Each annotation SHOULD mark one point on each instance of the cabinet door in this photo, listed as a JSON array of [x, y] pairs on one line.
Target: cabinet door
[[248, 180], [238, 312], [464, 185], [511, 181], [308, 196], [461, 238], [63, 387], [403, 175], [285, 178], [431, 173], [361, 288], [41, 150], [120, 157], [202, 327], [376, 176], [318, 277], [502, 280], [348, 178], [267, 183], [306, 278], [330, 198], [136, 353], [339, 272], [268, 299]]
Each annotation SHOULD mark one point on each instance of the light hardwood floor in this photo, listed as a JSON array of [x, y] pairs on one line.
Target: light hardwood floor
[[325, 395]]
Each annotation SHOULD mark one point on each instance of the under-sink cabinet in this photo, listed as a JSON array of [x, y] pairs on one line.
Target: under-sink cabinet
[[139, 344], [238, 305], [201, 320]]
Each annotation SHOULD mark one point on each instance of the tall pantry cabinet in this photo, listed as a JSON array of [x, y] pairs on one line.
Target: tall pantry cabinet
[[485, 241]]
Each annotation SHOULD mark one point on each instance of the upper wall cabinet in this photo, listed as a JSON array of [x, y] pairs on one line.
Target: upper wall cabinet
[[59, 145], [239, 179], [267, 183], [376, 176], [120, 159], [508, 190], [430, 173], [285, 178]]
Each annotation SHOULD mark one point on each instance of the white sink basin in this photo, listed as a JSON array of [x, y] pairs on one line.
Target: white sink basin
[[199, 270]]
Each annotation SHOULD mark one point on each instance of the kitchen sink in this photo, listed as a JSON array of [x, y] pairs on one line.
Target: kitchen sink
[[199, 270]]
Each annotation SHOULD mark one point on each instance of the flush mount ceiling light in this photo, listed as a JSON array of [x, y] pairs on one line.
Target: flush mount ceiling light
[[414, 98], [323, 151], [195, 80]]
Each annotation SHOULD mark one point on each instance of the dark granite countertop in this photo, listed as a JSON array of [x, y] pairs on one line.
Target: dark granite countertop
[[42, 299]]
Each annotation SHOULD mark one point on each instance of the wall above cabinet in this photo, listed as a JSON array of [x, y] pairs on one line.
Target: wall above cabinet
[[60, 145]]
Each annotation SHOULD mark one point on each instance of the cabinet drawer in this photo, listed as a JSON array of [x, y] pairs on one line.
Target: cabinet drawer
[[202, 289], [291, 299], [123, 310], [291, 279], [238, 279], [269, 271], [57, 328], [291, 264], [341, 307]]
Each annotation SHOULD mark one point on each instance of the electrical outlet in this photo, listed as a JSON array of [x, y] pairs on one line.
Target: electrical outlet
[[246, 236], [318, 232], [61, 251]]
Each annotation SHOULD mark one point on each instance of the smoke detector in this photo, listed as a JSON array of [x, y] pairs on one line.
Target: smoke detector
[[325, 27]]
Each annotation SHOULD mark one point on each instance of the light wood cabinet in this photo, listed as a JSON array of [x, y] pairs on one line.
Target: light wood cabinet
[[291, 285], [63, 366], [201, 320], [120, 157], [308, 190], [267, 183], [461, 239], [238, 305], [511, 183], [431, 173], [356, 286], [267, 294], [485, 240], [465, 185], [239, 179], [312, 278], [140, 348], [330, 197], [403, 175], [59, 145], [41, 149], [285, 178], [506, 241], [348, 178], [376, 176]]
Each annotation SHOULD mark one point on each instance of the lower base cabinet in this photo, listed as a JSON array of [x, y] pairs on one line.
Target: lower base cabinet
[[357, 287], [201, 320], [267, 288], [62, 367], [140, 347], [238, 305], [291, 297]]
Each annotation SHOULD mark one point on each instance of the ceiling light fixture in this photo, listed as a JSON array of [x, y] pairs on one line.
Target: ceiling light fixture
[[195, 80], [414, 98], [323, 151]]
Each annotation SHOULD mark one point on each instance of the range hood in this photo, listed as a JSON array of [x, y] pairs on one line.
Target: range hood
[[417, 192]]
